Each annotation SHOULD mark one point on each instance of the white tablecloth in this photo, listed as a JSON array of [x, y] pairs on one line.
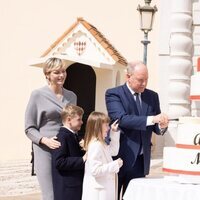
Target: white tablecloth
[[160, 189]]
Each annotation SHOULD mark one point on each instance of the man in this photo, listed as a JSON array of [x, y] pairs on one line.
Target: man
[[138, 112]]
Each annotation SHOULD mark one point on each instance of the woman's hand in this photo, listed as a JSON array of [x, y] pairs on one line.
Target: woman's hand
[[114, 126], [52, 143]]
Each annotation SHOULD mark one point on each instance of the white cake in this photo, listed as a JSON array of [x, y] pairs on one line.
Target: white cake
[[184, 159], [195, 86]]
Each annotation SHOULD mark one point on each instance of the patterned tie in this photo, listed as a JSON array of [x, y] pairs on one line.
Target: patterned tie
[[139, 107], [138, 104]]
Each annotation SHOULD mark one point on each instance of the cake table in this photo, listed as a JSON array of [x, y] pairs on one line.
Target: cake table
[[160, 189]]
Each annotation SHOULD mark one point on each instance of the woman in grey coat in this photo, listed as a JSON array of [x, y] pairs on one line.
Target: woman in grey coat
[[43, 120]]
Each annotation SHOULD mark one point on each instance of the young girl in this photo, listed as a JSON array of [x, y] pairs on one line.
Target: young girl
[[100, 176]]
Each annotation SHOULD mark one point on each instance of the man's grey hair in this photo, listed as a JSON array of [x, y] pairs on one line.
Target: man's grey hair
[[132, 65]]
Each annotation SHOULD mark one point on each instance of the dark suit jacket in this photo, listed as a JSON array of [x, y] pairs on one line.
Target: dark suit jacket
[[67, 167], [121, 105]]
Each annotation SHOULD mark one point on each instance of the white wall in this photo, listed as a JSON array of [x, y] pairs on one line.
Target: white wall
[[28, 28]]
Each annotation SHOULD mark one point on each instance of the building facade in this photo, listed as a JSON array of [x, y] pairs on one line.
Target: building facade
[[30, 27]]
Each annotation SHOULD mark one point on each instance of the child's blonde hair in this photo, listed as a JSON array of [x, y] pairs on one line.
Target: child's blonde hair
[[94, 127], [71, 111]]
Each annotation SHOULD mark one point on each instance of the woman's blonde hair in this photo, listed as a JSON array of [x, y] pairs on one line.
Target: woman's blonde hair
[[52, 64], [94, 127]]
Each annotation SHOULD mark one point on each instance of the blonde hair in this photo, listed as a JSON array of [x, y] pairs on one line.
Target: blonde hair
[[71, 111], [94, 127], [52, 64]]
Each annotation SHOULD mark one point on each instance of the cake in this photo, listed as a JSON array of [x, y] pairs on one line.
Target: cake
[[184, 159], [195, 86]]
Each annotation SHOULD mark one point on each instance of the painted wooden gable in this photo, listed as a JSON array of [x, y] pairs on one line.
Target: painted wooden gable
[[83, 43]]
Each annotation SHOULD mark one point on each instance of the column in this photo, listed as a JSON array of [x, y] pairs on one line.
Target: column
[[180, 64]]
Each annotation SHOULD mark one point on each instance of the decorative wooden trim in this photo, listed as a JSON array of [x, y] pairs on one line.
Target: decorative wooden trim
[[60, 39], [97, 35]]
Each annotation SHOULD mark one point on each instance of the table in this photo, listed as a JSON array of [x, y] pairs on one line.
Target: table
[[160, 189]]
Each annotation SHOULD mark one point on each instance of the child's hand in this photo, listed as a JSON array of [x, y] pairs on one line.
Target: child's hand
[[81, 143], [85, 157], [114, 126], [120, 162]]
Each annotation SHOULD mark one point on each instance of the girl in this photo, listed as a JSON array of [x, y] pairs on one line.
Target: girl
[[100, 176]]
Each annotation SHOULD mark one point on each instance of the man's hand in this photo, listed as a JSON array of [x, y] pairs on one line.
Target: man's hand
[[162, 119]]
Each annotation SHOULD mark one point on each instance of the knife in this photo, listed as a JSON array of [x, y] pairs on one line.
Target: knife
[[173, 119]]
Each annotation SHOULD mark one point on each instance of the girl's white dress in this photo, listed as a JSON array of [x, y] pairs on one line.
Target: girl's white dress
[[100, 178]]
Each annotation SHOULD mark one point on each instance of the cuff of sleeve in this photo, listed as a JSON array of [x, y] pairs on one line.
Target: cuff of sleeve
[[163, 130], [150, 121]]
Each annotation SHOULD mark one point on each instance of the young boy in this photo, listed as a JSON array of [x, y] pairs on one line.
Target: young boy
[[68, 160]]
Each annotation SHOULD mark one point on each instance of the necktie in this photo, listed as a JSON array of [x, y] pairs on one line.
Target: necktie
[[138, 104], [139, 107]]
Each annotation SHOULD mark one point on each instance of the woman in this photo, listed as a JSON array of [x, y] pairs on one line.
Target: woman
[[43, 121]]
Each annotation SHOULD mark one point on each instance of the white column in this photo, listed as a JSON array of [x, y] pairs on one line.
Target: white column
[[180, 64], [196, 40]]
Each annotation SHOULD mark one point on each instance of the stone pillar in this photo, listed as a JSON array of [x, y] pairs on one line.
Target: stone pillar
[[180, 64]]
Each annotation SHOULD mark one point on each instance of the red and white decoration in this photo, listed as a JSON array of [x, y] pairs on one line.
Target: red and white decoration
[[80, 47], [195, 84]]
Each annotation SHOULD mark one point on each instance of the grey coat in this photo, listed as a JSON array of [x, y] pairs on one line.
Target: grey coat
[[42, 119]]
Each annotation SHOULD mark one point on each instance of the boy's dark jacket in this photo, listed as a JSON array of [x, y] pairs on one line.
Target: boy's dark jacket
[[67, 167]]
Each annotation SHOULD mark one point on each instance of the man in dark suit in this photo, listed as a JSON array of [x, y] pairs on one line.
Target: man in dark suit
[[138, 112], [68, 160]]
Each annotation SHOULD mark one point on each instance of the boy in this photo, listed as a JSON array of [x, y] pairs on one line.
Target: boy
[[68, 160]]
